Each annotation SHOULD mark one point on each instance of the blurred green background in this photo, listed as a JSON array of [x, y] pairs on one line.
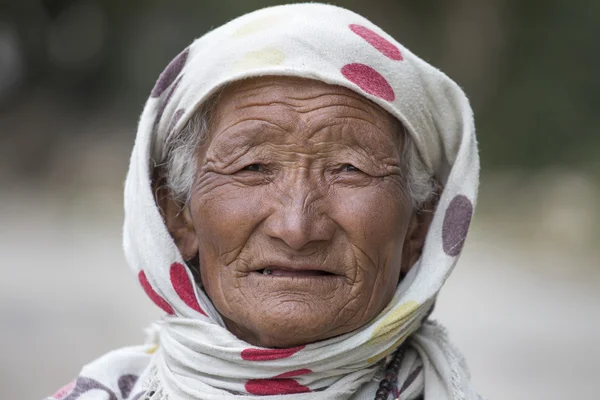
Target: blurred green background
[[530, 67], [74, 75]]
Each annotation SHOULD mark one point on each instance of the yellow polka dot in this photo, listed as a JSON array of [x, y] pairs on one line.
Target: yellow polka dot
[[265, 57], [391, 324], [152, 349], [258, 25], [388, 351]]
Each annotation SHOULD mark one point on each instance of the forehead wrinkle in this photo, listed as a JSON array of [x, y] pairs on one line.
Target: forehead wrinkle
[[323, 122], [257, 83], [337, 103], [352, 135], [299, 89], [303, 118], [298, 86], [234, 109], [338, 137], [306, 122], [335, 111], [260, 127]]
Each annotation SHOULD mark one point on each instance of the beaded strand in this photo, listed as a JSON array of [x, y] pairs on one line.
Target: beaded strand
[[390, 376]]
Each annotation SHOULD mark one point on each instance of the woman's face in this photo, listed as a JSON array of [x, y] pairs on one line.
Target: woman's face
[[299, 212]]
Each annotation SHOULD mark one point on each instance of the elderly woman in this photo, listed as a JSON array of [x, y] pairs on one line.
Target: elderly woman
[[300, 188]]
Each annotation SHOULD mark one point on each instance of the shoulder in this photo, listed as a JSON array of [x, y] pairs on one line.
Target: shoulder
[[115, 373]]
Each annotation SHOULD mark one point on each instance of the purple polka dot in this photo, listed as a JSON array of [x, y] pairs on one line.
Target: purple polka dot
[[411, 378], [84, 385], [384, 46], [368, 80], [456, 224], [168, 76], [126, 384]]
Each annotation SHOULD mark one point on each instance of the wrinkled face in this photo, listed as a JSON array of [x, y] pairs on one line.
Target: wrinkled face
[[299, 212]]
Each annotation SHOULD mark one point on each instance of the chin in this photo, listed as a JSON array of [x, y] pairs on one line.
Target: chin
[[290, 325]]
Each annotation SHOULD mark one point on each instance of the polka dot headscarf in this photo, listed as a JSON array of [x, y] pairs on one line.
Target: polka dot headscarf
[[192, 355]]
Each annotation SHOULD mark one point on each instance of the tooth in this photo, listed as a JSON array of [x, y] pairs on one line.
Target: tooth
[[267, 271]]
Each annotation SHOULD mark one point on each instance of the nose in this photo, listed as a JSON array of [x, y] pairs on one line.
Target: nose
[[299, 220]]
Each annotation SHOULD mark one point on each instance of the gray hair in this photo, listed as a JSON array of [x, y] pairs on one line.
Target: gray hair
[[178, 160]]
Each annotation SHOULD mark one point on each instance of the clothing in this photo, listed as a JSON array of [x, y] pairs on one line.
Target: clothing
[[191, 354]]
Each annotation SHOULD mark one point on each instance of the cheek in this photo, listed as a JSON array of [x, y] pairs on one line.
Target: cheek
[[224, 215], [375, 219], [224, 218]]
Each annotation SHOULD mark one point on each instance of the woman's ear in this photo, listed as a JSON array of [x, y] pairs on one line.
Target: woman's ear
[[417, 232], [178, 221]]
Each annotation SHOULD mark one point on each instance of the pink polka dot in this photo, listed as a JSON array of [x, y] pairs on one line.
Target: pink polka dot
[[270, 387], [368, 80], [296, 372], [280, 384], [63, 391], [269, 354], [183, 286], [155, 297], [456, 224], [383, 45]]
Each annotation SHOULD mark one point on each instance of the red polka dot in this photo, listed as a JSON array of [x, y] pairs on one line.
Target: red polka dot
[[296, 372], [155, 297], [269, 354], [270, 387], [383, 45], [63, 391], [368, 80], [183, 286]]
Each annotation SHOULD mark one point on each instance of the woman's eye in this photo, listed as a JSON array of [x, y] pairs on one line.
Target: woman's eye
[[349, 168], [253, 168]]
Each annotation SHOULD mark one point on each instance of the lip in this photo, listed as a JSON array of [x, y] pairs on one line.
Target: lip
[[278, 269]]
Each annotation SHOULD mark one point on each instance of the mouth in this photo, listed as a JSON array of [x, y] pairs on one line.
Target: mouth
[[277, 271]]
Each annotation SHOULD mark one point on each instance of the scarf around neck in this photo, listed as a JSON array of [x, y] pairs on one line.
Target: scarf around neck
[[191, 354]]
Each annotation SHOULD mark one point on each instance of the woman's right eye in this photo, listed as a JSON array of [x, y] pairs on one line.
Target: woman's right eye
[[349, 168]]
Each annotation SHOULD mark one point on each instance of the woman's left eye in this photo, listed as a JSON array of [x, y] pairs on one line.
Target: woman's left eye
[[349, 168], [253, 168]]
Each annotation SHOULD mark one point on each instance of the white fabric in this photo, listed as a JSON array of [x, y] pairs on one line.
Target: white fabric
[[197, 358]]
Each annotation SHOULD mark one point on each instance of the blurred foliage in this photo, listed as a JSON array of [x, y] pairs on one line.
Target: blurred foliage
[[530, 67]]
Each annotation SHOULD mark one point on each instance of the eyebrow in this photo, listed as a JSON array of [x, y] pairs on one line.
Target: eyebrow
[[239, 139]]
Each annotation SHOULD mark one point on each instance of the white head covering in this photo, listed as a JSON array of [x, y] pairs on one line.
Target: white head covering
[[196, 357]]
